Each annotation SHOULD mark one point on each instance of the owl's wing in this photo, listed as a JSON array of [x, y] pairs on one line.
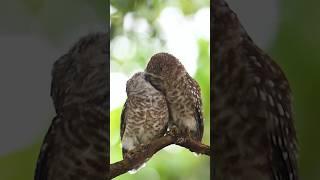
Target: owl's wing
[[273, 92], [199, 119], [122, 119], [282, 135], [123, 124], [195, 92]]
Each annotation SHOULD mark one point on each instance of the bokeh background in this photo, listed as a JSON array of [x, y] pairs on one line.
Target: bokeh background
[[33, 34], [140, 29]]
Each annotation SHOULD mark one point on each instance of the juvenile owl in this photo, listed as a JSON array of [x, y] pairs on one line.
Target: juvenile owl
[[144, 116], [168, 75]]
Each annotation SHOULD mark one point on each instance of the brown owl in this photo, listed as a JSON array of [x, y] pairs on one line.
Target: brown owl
[[75, 146], [254, 132], [168, 75], [144, 116]]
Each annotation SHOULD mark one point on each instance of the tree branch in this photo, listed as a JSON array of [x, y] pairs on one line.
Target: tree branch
[[141, 154]]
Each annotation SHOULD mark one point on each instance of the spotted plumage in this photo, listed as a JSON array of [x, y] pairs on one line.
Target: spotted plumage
[[254, 134], [167, 74], [144, 116], [75, 146]]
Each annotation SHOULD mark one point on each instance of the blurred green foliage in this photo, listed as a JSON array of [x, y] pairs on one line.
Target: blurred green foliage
[[19, 165], [175, 163]]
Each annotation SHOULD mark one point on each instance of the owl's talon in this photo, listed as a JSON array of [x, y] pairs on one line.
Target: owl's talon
[[181, 140], [129, 155], [173, 131], [143, 146]]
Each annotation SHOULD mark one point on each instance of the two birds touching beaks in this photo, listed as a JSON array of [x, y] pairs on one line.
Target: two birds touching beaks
[[163, 96]]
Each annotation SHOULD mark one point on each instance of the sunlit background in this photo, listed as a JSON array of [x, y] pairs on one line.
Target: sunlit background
[[139, 30]]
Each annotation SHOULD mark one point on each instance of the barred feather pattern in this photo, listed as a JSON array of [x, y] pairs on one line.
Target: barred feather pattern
[[254, 133], [75, 146], [145, 114], [183, 93]]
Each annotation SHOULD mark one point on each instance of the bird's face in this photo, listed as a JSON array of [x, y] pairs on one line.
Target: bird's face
[[136, 83]]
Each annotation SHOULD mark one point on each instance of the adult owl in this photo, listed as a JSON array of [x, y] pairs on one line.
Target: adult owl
[[145, 114], [182, 92], [254, 133], [75, 146]]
